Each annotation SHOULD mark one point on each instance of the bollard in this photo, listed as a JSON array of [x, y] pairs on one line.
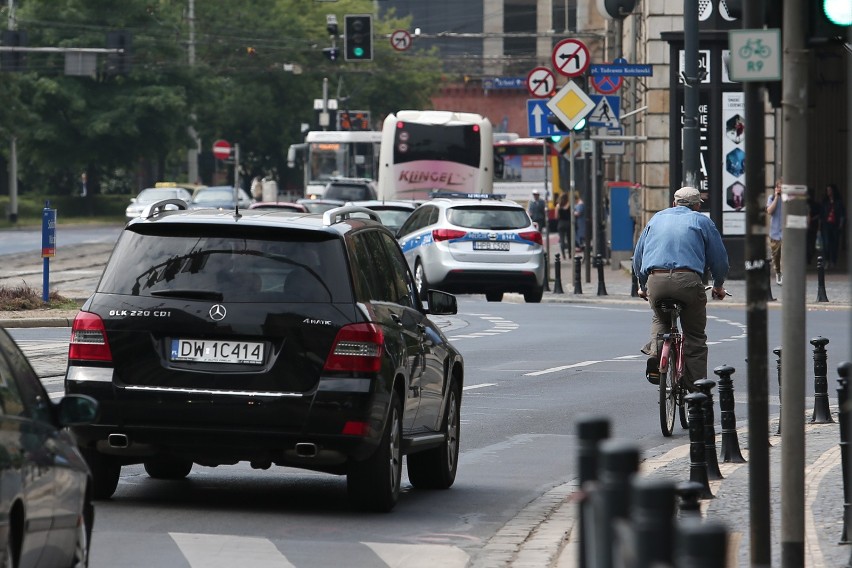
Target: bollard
[[730, 444], [821, 296], [844, 370], [619, 462], [652, 520], [822, 414], [599, 262], [557, 286], [701, 544], [705, 386], [591, 430], [546, 273], [634, 281], [689, 493], [578, 269], [768, 271], [777, 352], [697, 460]]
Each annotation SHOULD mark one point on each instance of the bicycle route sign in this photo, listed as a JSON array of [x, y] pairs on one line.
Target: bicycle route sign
[[755, 55]]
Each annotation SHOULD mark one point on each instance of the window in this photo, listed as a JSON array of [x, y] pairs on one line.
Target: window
[[491, 218], [404, 289]]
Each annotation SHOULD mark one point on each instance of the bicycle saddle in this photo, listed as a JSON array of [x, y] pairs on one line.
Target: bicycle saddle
[[669, 305]]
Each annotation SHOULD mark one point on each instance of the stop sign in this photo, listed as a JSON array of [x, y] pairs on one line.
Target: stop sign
[[222, 149]]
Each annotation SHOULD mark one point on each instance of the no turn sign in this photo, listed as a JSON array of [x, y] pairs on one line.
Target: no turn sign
[[400, 40], [570, 57], [541, 82]]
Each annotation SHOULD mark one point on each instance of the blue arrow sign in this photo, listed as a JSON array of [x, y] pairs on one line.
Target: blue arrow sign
[[537, 112], [625, 69]]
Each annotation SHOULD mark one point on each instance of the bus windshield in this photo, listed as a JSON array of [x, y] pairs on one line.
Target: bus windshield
[[347, 159], [415, 142]]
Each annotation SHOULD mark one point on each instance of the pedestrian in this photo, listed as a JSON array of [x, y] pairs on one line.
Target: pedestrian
[[537, 211], [773, 208], [579, 222], [832, 221], [677, 245], [813, 228], [257, 188], [563, 223]]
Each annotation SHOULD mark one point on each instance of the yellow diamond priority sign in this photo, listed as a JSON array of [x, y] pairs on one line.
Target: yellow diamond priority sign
[[571, 104]]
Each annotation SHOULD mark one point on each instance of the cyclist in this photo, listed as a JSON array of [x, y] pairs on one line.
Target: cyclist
[[672, 253]]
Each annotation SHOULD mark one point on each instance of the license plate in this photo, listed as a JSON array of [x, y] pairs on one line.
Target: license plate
[[218, 351], [490, 245]]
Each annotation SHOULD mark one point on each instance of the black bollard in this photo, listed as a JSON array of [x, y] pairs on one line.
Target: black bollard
[[705, 386], [821, 295], [619, 462], [557, 286], [822, 414], [697, 459], [777, 352], [730, 443], [599, 262], [844, 370], [591, 430], [634, 281], [768, 271], [701, 544], [652, 520], [689, 493], [578, 276]]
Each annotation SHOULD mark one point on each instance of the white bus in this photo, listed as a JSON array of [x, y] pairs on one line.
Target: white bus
[[431, 150], [336, 153]]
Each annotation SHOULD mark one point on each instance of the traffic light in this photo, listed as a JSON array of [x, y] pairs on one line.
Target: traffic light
[[119, 63], [616, 9], [829, 21], [358, 37], [331, 53], [13, 60]]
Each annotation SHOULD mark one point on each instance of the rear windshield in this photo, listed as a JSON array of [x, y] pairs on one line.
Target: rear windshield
[[484, 217], [348, 192], [245, 266]]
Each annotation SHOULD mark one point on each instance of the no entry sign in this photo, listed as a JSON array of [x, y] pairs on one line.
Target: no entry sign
[[222, 149]]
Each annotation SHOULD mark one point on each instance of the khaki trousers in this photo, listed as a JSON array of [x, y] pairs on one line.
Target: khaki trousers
[[775, 251]]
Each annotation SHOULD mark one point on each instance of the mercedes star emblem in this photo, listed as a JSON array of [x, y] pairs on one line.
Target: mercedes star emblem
[[218, 312]]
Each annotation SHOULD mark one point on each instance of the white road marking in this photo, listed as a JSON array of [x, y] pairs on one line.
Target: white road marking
[[226, 551], [419, 555], [479, 386], [562, 368]]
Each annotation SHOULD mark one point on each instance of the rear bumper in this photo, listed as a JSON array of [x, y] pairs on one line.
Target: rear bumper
[[464, 281]]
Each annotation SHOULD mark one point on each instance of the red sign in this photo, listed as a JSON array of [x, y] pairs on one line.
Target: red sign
[[607, 84], [222, 149], [570, 57]]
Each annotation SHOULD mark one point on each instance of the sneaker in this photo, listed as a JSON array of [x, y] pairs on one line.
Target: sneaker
[[778, 278], [652, 370]]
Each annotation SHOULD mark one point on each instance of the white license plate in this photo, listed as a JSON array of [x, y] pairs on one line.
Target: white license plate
[[218, 351], [490, 245]]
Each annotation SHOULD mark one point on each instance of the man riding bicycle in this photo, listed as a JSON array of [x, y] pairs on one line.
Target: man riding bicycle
[[672, 253]]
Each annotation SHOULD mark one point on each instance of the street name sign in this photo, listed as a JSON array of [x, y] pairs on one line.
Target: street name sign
[[570, 104], [755, 55], [538, 126], [622, 69]]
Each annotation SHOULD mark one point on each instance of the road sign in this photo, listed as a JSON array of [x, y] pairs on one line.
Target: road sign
[[755, 55], [571, 104], [400, 40], [607, 84], [222, 149], [613, 146], [541, 82], [539, 127], [623, 69], [570, 57], [606, 112]]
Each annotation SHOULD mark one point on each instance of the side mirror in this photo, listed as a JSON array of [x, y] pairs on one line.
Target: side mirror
[[77, 410], [441, 303], [132, 200]]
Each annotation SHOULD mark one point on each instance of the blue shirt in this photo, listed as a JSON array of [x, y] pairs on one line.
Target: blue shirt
[[679, 237], [774, 218]]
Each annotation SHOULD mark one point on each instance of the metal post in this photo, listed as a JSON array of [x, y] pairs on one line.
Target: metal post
[[697, 453], [705, 386], [821, 295], [634, 281], [591, 431], [652, 519], [822, 414], [619, 462], [844, 370], [545, 231], [557, 286], [701, 544], [730, 452], [689, 493], [578, 266], [769, 295], [777, 352], [599, 262]]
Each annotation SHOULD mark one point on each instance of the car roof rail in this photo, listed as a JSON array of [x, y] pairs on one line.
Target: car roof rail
[[159, 206], [462, 195], [339, 214]]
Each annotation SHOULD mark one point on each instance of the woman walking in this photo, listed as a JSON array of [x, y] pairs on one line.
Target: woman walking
[[833, 220]]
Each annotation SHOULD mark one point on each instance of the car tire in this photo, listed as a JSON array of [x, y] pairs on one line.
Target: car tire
[[494, 296], [84, 534], [373, 484], [105, 472], [13, 545], [167, 468], [534, 296], [436, 468], [420, 280]]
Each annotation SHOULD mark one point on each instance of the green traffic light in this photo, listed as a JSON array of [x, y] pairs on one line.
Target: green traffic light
[[580, 125], [358, 52], [838, 12], [555, 138]]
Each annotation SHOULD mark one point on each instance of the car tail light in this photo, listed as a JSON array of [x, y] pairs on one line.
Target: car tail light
[[533, 236], [358, 347], [88, 339], [447, 234], [355, 428]]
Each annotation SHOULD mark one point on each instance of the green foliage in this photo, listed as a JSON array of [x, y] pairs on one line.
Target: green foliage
[[128, 131]]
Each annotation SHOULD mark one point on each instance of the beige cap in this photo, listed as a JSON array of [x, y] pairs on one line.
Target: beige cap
[[688, 196]]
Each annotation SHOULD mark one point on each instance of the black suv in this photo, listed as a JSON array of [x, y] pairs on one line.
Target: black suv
[[269, 337], [350, 189]]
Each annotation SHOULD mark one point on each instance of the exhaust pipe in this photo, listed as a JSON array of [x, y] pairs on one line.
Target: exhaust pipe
[[118, 441], [306, 450]]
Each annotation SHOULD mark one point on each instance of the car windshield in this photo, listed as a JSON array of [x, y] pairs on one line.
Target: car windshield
[[152, 195], [394, 217], [209, 196], [484, 217], [348, 192], [219, 264]]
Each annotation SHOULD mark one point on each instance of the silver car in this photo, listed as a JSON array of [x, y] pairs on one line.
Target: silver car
[[474, 244], [152, 195]]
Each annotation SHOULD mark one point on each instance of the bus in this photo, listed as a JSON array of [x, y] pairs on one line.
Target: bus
[[519, 168], [432, 150], [335, 153]]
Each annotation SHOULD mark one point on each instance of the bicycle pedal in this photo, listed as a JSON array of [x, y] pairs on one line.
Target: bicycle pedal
[[653, 378]]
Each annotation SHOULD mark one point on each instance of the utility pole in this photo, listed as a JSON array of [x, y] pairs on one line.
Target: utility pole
[[192, 153], [794, 104], [13, 146], [691, 84]]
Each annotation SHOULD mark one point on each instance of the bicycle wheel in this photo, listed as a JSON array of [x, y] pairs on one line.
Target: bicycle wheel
[[668, 401], [681, 407]]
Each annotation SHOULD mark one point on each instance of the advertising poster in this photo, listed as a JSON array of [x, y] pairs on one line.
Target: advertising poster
[[733, 166]]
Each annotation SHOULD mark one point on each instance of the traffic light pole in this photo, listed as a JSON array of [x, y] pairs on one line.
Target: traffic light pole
[[13, 147]]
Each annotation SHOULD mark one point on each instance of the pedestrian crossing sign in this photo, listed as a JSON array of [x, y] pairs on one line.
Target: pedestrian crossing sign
[[606, 112]]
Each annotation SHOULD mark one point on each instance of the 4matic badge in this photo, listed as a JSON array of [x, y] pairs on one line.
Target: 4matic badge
[[316, 322]]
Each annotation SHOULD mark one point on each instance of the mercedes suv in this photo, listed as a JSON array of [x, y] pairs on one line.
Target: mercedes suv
[[270, 337]]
